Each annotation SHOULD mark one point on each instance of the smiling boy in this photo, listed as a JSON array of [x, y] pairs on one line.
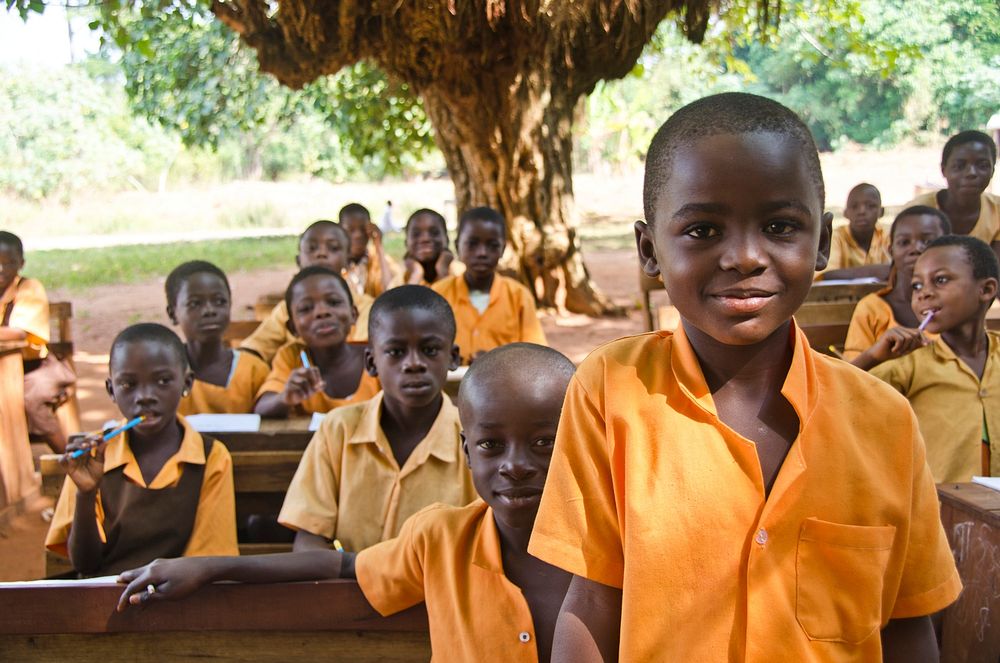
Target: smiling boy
[[724, 492]]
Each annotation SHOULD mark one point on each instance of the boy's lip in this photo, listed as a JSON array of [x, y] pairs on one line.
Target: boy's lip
[[518, 496], [416, 385], [325, 328], [738, 300]]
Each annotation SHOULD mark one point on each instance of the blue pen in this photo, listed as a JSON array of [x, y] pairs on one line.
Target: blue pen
[[305, 359], [109, 435]]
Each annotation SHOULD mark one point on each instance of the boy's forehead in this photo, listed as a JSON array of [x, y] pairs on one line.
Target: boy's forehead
[[147, 353], [404, 322], [9, 250], [322, 232], [953, 257]]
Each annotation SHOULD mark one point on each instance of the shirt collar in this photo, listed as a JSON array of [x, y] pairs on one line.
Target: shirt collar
[[486, 549], [943, 352], [439, 441], [118, 452], [463, 288]]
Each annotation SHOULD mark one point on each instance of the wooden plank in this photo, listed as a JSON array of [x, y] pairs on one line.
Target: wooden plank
[[825, 313], [845, 292], [277, 440], [970, 515], [821, 337]]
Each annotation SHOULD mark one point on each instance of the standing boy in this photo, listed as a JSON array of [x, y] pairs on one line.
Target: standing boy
[[724, 492]]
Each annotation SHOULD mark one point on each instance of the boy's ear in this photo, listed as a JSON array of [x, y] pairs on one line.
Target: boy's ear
[[171, 313], [988, 289], [110, 390], [188, 382], [825, 232], [648, 263], [354, 315], [456, 357], [370, 362], [298, 260], [465, 449], [881, 212]]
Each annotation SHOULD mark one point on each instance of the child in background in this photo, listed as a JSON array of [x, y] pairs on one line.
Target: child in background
[[323, 244], [322, 315], [225, 380], [25, 311], [371, 466], [487, 598], [369, 269], [427, 259], [724, 492], [967, 163], [953, 384], [861, 242], [883, 325], [491, 309], [160, 489]]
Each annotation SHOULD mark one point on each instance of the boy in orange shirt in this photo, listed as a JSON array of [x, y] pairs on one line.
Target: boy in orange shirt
[[491, 309], [369, 270], [487, 599], [723, 492], [861, 243]]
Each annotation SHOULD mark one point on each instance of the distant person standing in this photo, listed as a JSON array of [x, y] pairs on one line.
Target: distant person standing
[[387, 224]]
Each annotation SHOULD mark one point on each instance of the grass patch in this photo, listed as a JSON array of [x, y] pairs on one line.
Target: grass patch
[[85, 268]]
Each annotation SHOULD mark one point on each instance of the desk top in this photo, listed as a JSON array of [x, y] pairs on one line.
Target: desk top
[[973, 498]]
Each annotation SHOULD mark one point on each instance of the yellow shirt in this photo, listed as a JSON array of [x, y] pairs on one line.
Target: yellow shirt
[[510, 316], [872, 317], [649, 491], [365, 276], [952, 404], [214, 530], [987, 228], [29, 313], [272, 332], [449, 558], [349, 487], [289, 358], [239, 394], [455, 268], [845, 251]]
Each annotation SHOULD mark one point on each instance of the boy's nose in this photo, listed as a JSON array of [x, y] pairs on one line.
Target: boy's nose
[[517, 467], [413, 362], [742, 254]]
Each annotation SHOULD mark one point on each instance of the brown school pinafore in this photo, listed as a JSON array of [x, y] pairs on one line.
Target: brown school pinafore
[[143, 524]]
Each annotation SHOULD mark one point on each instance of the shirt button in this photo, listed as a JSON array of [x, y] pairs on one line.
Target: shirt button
[[982, 393], [761, 536], [524, 636]]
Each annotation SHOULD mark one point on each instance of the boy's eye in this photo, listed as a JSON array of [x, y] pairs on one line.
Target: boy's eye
[[394, 352], [940, 280], [544, 442], [488, 445], [780, 228], [915, 286], [431, 350], [702, 232]]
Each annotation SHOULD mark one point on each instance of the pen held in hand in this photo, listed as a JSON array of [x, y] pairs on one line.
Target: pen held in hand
[[926, 321], [110, 435], [305, 359]]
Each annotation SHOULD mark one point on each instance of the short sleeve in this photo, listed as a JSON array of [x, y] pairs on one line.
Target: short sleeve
[[929, 580], [282, 366], [30, 312], [312, 500], [391, 573], [57, 538], [531, 327], [214, 531], [577, 527], [862, 332], [897, 373], [270, 334]]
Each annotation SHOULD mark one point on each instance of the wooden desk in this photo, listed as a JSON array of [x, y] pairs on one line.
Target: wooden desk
[[841, 292], [971, 627], [17, 471], [227, 622]]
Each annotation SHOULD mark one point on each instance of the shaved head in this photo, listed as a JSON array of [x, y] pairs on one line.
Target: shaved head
[[523, 366]]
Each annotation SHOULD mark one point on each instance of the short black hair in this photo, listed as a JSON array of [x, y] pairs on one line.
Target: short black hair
[[10, 239], [980, 256], [407, 297], [865, 185], [150, 332], [352, 209], [308, 272], [484, 213], [530, 361], [325, 223], [434, 215], [971, 136], [727, 113], [921, 210], [184, 271]]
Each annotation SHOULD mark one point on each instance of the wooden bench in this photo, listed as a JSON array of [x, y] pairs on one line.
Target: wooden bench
[[225, 622], [263, 466], [238, 331], [61, 345]]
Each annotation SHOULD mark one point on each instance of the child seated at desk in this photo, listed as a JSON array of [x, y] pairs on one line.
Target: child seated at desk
[[226, 381], [322, 371], [860, 245], [369, 270], [428, 258], [25, 310], [487, 598], [883, 325], [323, 244], [160, 489], [490, 309], [724, 492], [953, 384]]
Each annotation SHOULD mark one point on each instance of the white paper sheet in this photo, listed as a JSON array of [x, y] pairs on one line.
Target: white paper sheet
[[316, 420], [989, 482], [103, 580], [224, 423]]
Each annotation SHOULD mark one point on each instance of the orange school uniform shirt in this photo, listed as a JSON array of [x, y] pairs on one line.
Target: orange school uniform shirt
[[214, 530], [272, 332], [237, 396], [348, 485], [365, 276], [650, 492], [449, 558], [510, 316], [846, 252], [289, 358], [29, 312], [987, 227], [872, 317]]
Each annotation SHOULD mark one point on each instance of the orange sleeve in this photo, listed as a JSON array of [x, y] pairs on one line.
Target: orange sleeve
[[270, 334], [214, 531], [312, 500], [577, 527], [929, 580], [531, 327], [57, 538], [863, 330], [30, 312], [284, 363], [391, 573]]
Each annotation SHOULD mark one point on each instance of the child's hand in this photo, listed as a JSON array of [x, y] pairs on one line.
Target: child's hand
[[897, 342], [375, 233], [443, 263], [302, 383], [87, 470], [170, 579], [414, 269]]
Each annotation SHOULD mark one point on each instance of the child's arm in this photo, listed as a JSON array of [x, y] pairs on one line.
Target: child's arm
[[177, 578], [385, 271], [301, 384], [589, 623], [905, 640], [12, 334], [895, 342], [306, 541], [84, 541]]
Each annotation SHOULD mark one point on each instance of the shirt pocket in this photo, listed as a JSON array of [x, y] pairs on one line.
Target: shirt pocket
[[839, 572]]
